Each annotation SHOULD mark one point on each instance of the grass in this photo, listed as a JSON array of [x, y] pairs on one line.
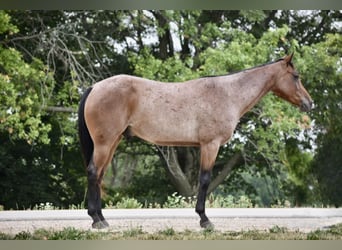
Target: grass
[[275, 233]]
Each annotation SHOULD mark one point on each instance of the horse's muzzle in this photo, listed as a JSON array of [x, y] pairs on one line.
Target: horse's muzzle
[[306, 105]]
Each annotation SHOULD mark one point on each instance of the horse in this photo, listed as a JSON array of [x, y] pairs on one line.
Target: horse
[[201, 112]]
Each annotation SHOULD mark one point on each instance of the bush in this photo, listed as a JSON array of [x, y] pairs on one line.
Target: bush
[[125, 203], [179, 201]]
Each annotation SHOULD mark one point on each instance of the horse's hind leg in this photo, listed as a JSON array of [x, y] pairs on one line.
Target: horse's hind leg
[[94, 197], [96, 168]]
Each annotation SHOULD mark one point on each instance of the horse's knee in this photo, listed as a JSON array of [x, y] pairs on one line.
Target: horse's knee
[[204, 179]]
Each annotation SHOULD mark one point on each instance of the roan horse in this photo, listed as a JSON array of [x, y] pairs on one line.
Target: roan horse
[[202, 112]]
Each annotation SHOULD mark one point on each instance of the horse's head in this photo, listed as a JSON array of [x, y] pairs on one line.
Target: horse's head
[[289, 87]]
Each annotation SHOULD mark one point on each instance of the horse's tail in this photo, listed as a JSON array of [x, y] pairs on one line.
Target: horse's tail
[[87, 145]]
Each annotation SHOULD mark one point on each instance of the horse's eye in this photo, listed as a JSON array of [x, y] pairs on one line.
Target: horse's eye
[[295, 76]]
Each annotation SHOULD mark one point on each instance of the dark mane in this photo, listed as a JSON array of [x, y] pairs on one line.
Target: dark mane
[[239, 71]]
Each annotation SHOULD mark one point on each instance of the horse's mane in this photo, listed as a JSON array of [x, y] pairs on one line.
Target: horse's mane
[[239, 71]]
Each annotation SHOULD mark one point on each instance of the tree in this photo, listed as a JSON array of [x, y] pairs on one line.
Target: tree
[[23, 90], [322, 65], [31, 171]]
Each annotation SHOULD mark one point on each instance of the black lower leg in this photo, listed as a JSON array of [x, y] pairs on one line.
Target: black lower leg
[[96, 212], [99, 208], [94, 198], [99, 203], [202, 193]]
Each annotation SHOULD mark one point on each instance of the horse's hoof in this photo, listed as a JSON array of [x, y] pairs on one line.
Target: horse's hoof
[[100, 224], [105, 223], [207, 225]]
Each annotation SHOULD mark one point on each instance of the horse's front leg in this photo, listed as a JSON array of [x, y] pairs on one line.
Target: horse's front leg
[[208, 155], [202, 193]]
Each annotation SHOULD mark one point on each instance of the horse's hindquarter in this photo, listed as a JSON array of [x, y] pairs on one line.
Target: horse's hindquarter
[[107, 109]]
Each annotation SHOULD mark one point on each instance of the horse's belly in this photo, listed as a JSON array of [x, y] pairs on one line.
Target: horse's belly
[[167, 134]]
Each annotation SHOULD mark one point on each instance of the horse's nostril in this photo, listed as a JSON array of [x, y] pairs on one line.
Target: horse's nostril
[[307, 105]]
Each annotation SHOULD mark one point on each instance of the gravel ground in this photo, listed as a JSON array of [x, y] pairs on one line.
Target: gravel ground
[[155, 225], [155, 222]]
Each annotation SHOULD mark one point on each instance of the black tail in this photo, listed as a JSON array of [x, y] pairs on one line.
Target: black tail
[[87, 145]]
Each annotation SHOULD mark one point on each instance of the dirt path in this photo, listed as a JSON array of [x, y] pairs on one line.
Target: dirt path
[[153, 220]]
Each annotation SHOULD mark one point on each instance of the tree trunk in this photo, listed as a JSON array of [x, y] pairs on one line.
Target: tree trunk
[[174, 170], [182, 168], [165, 39], [121, 177], [227, 169], [188, 158]]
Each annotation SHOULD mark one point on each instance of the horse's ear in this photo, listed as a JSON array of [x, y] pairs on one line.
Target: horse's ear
[[288, 59]]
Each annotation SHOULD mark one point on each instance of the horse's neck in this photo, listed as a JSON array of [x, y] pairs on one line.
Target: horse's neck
[[250, 86]]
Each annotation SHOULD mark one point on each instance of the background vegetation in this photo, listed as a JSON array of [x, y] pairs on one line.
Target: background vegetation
[[276, 156], [274, 233]]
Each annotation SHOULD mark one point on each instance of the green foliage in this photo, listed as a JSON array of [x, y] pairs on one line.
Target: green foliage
[[253, 15], [21, 113], [243, 51], [321, 65], [35, 144], [179, 201], [213, 201], [31, 176], [125, 203], [218, 201], [277, 229], [6, 27], [23, 89], [169, 70], [44, 206], [327, 167], [148, 183], [133, 233], [321, 68], [168, 231]]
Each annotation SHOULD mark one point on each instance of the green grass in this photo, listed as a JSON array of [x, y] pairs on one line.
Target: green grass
[[275, 233]]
